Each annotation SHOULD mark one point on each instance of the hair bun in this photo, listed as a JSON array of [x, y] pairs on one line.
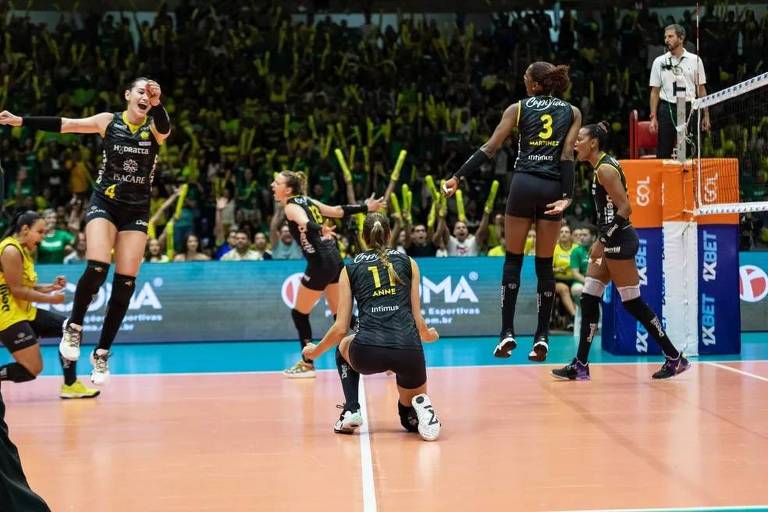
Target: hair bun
[[603, 125]]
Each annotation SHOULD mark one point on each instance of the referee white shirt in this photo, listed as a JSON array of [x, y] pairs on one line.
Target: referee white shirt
[[667, 68]]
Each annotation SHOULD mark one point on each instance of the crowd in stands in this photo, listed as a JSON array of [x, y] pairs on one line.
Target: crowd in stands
[[252, 90]]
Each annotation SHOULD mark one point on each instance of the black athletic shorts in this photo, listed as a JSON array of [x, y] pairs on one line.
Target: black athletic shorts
[[530, 194], [25, 334], [322, 272], [408, 365], [123, 217], [624, 246]]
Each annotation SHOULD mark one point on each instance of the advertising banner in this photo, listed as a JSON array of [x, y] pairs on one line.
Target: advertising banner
[[232, 301], [621, 333]]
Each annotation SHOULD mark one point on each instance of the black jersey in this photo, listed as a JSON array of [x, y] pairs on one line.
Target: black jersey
[[312, 244], [128, 165], [606, 209], [543, 123], [383, 302]]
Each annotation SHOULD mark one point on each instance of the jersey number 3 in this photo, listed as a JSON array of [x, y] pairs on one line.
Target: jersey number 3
[[110, 191], [546, 125]]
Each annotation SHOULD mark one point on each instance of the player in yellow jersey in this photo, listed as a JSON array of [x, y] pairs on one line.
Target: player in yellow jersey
[[21, 323]]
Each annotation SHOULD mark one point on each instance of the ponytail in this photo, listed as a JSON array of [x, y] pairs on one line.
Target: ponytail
[[297, 180], [554, 80], [376, 233], [600, 132], [20, 219]]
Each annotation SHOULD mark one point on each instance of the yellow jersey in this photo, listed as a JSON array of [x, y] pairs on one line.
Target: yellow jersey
[[12, 309], [561, 261]]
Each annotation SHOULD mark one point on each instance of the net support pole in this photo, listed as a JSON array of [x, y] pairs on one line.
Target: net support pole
[[681, 118]]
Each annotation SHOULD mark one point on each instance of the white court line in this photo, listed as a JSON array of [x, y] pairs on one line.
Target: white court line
[[667, 509], [450, 367], [758, 377], [366, 456]]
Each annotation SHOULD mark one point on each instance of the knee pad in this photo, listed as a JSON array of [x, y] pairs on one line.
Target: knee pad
[[628, 293], [513, 263], [544, 270], [301, 321], [94, 276], [408, 418], [16, 372], [122, 290], [594, 287]]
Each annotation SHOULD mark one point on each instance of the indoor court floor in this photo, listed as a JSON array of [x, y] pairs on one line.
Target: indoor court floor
[[215, 427]]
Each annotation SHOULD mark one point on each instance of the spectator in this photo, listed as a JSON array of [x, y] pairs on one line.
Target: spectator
[[284, 247], [78, 255], [227, 246], [56, 243], [584, 237], [462, 243], [191, 250], [561, 262], [241, 251], [418, 244], [260, 246], [154, 252]]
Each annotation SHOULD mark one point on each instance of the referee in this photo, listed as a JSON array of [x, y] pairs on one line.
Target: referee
[[665, 72]]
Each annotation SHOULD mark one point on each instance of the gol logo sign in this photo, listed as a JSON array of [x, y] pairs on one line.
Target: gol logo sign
[[753, 283]]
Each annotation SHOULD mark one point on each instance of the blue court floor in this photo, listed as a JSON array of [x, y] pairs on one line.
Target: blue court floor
[[166, 358]]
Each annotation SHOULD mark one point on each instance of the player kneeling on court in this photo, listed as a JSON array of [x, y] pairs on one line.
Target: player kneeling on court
[[612, 258], [390, 331], [21, 323]]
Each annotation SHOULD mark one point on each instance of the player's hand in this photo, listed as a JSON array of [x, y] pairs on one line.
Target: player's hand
[[221, 203], [6, 118], [654, 126], [56, 297], [154, 92], [429, 335], [329, 231], [309, 351], [375, 204], [450, 186], [705, 124], [558, 206], [59, 283]]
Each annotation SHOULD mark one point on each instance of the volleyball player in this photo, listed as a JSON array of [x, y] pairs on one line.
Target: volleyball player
[[612, 258], [541, 189], [385, 284], [306, 218], [21, 323], [119, 210]]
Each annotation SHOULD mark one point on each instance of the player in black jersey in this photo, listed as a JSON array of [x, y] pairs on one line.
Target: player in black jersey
[[306, 218], [385, 284], [541, 189], [119, 210], [612, 258]]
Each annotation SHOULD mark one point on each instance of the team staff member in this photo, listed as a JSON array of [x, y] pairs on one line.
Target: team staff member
[[117, 218], [21, 324], [385, 284], [541, 189], [612, 258], [306, 218]]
